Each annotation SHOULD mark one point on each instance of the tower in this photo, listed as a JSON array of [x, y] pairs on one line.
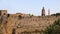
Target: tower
[[43, 11], [3, 21], [3, 12], [48, 11]]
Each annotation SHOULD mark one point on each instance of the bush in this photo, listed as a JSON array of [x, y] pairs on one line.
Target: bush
[[52, 27], [57, 14], [31, 15]]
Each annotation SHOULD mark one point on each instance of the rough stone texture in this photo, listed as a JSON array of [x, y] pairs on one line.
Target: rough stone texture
[[24, 23]]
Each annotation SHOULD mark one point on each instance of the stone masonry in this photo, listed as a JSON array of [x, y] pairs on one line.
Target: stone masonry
[[17, 23]]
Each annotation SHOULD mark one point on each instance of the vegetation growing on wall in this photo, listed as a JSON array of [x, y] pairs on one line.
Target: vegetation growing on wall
[[57, 14], [53, 28], [31, 15]]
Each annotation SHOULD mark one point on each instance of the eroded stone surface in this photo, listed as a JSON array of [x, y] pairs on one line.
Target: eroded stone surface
[[16, 24]]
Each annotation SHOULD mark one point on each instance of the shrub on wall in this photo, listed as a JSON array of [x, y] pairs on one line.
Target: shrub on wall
[[57, 14], [31, 15], [52, 27]]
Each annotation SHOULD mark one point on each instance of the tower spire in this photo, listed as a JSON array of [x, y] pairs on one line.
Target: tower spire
[[43, 11]]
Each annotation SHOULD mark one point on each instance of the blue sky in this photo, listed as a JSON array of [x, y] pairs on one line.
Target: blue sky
[[30, 6]]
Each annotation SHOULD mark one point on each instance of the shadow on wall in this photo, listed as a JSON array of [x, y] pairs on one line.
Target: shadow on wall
[[32, 32]]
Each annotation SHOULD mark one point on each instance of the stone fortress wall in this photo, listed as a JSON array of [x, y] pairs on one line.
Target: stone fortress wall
[[31, 23], [18, 23]]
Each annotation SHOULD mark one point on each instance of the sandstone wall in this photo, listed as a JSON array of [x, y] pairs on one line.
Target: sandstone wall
[[29, 23], [17, 23]]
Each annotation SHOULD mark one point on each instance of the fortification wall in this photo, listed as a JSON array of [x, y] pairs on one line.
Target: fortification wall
[[18, 23], [22, 22], [29, 24]]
